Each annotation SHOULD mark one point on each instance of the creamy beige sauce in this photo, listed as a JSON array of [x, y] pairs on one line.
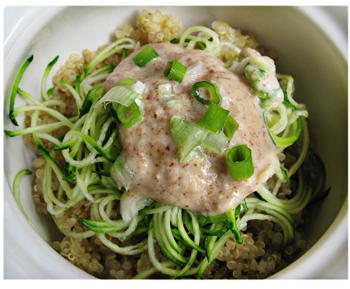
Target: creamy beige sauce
[[203, 185]]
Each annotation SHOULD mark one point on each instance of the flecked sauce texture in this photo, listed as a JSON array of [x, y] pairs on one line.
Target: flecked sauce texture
[[154, 172]]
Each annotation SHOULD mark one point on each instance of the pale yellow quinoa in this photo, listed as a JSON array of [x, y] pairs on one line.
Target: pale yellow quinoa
[[260, 254]]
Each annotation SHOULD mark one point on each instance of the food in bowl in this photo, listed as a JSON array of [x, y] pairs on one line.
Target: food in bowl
[[178, 162]]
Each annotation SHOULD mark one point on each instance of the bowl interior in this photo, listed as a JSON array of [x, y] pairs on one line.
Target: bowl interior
[[303, 50]]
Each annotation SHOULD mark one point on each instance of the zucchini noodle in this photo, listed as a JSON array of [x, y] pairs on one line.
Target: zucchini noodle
[[188, 244]]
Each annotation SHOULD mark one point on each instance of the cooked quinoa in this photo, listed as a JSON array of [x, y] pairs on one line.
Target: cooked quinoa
[[261, 253]]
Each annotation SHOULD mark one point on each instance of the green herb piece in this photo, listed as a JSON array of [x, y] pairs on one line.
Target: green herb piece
[[174, 70], [129, 115], [214, 94], [145, 55], [240, 163]]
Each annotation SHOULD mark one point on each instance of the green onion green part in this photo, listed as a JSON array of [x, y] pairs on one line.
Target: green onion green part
[[128, 82], [174, 70], [230, 127], [119, 94], [213, 90], [129, 115], [240, 163], [145, 55], [187, 135], [215, 142], [214, 118]]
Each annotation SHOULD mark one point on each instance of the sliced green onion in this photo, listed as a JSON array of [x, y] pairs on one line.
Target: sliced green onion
[[214, 118], [119, 94], [44, 93], [172, 102], [145, 55], [230, 127], [174, 70], [254, 71], [126, 82], [187, 135], [261, 62], [240, 163], [253, 74], [14, 88], [214, 94], [215, 142], [129, 115]]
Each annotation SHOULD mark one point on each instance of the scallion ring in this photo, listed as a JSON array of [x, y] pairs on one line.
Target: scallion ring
[[214, 94], [129, 115], [174, 70], [214, 118], [145, 55], [240, 163], [230, 127]]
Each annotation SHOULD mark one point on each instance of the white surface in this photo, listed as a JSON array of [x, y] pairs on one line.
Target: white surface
[[305, 51]]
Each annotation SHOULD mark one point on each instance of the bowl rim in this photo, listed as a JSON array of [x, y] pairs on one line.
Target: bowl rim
[[298, 269]]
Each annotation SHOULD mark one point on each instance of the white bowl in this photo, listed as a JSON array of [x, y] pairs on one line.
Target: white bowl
[[311, 47]]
